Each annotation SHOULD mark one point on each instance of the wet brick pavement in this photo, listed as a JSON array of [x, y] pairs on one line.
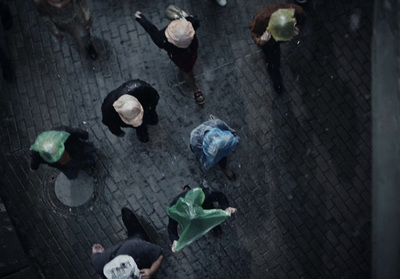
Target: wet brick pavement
[[303, 192]]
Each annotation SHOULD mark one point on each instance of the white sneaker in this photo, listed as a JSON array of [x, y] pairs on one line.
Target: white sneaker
[[221, 2]]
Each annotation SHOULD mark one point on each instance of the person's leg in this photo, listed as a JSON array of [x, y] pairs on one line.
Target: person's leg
[[82, 36], [273, 59], [198, 95], [151, 118], [142, 134], [223, 163], [132, 224], [87, 44]]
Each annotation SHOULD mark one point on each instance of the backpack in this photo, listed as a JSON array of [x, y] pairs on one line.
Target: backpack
[[122, 267]]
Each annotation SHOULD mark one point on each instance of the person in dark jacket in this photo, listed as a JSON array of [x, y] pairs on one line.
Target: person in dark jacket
[[77, 154], [6, 23], [133, 105], [179, 39], [147, 256], [268, 44], [71, 16], [210, 198]]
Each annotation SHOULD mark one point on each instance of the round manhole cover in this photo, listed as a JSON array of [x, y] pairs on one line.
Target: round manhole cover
[[74, 192], [76, 197]]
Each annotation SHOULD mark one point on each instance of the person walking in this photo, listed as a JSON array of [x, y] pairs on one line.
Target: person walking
[[71, 16], [63, 148], [179, 39], [211, 197], [134, 256], [211, 142], [133, 105], [270, 45]]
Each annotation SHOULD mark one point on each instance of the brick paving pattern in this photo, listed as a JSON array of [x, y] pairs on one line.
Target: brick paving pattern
[[303, 191]]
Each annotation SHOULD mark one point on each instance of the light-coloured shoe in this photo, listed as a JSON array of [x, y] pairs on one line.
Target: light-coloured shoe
[[221, 2]]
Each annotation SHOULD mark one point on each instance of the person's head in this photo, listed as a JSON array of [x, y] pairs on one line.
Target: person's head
[[129, 109], [97, 248], [282, 24], [180, 33]]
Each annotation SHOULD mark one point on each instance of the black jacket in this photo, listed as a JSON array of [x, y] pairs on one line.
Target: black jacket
[[144, 92]]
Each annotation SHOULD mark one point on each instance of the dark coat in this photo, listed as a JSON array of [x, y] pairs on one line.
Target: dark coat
[[261, 20], [144, 92], [184, 58], [77, 148]]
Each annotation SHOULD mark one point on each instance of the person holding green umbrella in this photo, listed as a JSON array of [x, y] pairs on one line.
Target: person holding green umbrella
[[63, 148], [274, 24], [194, 211]]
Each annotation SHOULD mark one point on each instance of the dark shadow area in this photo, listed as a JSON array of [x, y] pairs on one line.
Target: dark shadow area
[[322, 130]]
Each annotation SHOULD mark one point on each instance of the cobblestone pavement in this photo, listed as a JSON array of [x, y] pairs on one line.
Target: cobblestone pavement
[[303, 191]]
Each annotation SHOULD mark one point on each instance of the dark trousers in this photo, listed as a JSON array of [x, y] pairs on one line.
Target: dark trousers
[[133, 225], [273, 58]]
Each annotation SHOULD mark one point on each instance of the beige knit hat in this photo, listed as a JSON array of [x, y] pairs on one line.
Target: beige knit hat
[[129, 109], [180, 33]]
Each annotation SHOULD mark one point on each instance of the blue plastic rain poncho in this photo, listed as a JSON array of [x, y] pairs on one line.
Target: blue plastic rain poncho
[[211, 141]]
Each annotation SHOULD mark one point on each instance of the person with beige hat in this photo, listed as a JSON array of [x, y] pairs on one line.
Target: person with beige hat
[[71, 16], [179, 39], [133, 104]]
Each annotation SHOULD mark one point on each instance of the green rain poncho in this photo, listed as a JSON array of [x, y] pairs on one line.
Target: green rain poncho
[[193, 219], [50, 145], [281, 24]]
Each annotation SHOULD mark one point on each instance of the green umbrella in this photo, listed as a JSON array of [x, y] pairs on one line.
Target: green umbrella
[[50, 145], [193, 219], [281, 24]]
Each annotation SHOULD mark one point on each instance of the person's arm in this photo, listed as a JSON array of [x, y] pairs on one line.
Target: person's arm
[[84, 9], [147, 273], [156, 36], [216, 196], [76, 132], [194, 20], [173, 230], [36, 160], [110, 117], [115, 130]]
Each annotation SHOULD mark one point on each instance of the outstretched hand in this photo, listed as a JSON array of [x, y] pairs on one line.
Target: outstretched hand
[[231, 210], [265, 37], [173, 246], [138, 14], [146, 273]]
